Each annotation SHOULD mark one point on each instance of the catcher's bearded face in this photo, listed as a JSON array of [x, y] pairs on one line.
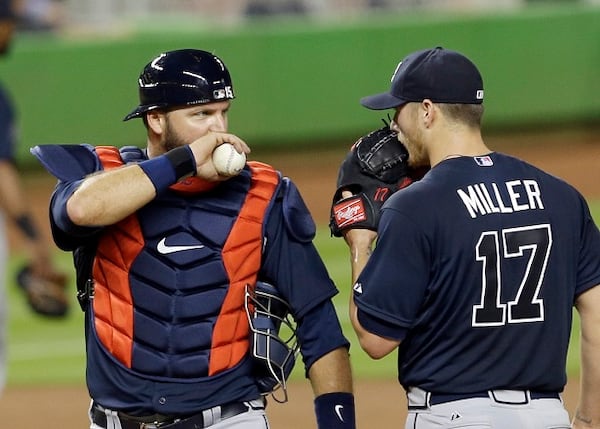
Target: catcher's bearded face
[[182, 126]]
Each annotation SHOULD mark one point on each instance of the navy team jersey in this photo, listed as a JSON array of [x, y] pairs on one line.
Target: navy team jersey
[[7, 127], [6, 12], [476, 270], [7, 114]]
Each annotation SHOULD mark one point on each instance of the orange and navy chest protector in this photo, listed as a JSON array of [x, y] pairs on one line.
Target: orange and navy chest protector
[[182, 270], [166, 330]]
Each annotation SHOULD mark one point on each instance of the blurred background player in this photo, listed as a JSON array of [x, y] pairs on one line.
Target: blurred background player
[[14, 207]]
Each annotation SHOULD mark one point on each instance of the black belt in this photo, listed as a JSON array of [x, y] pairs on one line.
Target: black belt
[[440, 398], [195, 421]]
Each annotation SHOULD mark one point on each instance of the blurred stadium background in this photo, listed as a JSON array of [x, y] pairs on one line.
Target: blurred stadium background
[[77, 15], [299, 68]]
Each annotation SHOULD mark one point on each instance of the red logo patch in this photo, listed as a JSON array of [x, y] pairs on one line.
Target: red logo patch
[[349, 212]]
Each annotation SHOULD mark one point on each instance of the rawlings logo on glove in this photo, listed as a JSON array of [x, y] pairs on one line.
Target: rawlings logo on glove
[[372, 171], [349, 211]]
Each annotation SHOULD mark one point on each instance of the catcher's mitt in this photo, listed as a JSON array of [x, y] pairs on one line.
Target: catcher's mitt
[[45, 295], [374, 168]]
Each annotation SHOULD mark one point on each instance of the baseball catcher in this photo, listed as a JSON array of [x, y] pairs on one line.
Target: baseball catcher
[[163, 254], [374, 168]]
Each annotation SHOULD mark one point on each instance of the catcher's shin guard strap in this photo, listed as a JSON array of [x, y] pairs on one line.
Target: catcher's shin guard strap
[[335, 411]]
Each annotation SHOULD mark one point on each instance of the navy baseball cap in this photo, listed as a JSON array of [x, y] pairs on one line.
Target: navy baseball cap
[[439, 74]]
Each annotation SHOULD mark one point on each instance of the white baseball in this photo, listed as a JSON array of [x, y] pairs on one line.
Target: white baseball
[[227, 160]]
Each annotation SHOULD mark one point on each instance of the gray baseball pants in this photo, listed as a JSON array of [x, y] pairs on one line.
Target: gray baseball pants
[[502, 409]]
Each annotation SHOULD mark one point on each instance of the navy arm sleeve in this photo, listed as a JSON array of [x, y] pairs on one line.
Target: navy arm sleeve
[[588, 270], [6, 10], [70, 164], [319, 332], [65, 233], [7, 127], [386, 298], [291, 263]]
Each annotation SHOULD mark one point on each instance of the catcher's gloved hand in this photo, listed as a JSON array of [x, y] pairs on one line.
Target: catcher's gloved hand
[[45, 295], [372, 171]]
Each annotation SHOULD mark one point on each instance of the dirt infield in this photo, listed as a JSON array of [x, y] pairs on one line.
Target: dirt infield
[[380, 404], [571, 155]]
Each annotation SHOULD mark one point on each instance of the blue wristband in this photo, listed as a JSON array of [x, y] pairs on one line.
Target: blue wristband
[[166, 170], [335, 411]]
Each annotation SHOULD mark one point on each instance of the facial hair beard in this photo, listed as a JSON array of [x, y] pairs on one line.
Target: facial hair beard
[[418, 156], [171, 139]]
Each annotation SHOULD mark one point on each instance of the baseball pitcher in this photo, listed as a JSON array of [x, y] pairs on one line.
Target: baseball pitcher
[[477, 265]]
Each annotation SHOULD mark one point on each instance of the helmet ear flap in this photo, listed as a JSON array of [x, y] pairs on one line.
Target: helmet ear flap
[[273, 341]]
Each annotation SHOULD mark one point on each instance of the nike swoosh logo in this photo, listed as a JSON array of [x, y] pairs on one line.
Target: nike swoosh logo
[[338, 410], [165, 249]]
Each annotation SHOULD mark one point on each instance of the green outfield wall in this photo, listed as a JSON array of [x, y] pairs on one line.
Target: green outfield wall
[[299, 82]]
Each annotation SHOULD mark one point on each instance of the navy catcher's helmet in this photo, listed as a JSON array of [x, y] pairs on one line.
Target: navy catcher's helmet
[[182, 78]]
